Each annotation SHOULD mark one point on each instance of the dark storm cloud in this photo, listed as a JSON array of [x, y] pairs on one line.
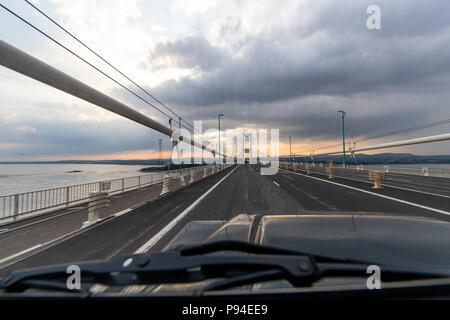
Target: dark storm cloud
[[342, 66], [190, 52], [330, 57], [67, 137]]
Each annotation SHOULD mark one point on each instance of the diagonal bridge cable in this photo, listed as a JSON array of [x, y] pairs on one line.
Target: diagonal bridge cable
[[87, 62], [106, 61]]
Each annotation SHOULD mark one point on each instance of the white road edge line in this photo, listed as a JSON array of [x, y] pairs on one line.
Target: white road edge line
[[20, 253], [118, 214], [375, 194], [276, 183], [146, 246], [387, 185], [35, 247]]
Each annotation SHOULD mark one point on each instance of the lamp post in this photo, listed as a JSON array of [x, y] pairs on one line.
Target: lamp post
[[343, 137], [290, 148], [220, 115]]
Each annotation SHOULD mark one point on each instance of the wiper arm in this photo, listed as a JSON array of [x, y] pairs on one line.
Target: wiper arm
[[174, 266], [323, 270], [248, 247], [197, 264]]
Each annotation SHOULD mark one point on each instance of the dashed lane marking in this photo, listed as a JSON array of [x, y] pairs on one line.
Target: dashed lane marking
[[377, 194]]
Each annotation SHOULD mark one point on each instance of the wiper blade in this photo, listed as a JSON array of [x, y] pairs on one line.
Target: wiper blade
[[199, 263]]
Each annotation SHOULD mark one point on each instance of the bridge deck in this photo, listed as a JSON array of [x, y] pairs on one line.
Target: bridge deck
[[244, 190]]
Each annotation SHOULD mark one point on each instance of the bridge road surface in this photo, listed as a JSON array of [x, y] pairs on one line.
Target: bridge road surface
[[18, 236], [239, 189]]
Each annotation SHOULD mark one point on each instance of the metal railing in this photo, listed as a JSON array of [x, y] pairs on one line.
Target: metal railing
[[36, 202], [423, 170]]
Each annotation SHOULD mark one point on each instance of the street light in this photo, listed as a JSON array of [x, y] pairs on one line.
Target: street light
[[220, 115], [290, 148], [343, 137]]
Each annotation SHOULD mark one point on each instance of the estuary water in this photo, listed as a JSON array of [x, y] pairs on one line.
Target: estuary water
[[18, 178]]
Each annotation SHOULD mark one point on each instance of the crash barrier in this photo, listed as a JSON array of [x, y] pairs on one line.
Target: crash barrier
[[377, 177], [308, 168], [188, 176], [97, 201], [331, 171], [396, 169], [36, 202], [429, 171]]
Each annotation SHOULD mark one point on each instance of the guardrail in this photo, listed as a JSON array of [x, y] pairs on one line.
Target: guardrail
[[419, 170], [37, 202], [422, 170]]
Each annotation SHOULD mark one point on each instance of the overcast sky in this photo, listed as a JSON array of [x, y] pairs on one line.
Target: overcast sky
[[264, 64]]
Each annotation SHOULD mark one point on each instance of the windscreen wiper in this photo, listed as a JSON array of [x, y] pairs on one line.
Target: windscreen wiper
[[234, 262]]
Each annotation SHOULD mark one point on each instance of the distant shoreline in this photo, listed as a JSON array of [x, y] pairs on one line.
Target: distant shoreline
[[384, 158]]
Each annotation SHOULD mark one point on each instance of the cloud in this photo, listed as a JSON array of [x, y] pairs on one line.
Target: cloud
[[187, 53], [34, 134], [283, 65], [288, 65], [26, 129], [296, 77]]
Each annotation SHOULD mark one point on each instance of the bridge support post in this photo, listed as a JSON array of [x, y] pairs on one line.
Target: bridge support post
[[330, 171], [97, 201], [308, 168], [67, 197], [165, 187], [16, 206], [377, 177], [182, 180]]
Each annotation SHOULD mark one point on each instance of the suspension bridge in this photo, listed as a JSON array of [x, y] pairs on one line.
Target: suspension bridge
[[105, 219]]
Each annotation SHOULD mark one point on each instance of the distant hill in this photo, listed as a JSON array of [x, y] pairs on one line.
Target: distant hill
[[124, 162], [382, 158], [149, 162]]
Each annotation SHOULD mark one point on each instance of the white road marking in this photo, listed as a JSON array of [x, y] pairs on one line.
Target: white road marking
[[118, 214], [70, 210], [50, 242], [413, 190], [290, 178], [20, 253], [146, 246], [391, 186], [377, 194], [387, 185], [275, 183]]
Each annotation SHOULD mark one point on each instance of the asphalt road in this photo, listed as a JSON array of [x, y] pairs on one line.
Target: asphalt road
[[240, 189]]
